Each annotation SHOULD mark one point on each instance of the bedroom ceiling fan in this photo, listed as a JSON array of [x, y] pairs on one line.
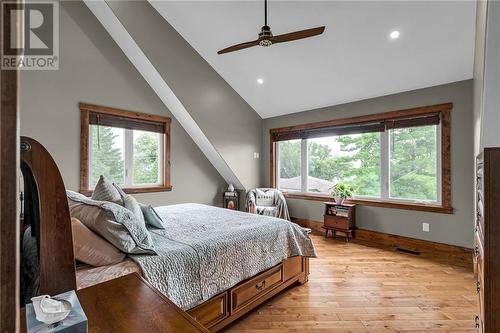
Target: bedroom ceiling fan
[[266, 37]]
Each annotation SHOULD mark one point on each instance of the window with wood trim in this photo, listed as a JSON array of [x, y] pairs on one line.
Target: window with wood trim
[[129, 148], [394, 159]]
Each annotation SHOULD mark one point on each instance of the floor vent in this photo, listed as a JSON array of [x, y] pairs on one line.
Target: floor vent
[[417, 253]]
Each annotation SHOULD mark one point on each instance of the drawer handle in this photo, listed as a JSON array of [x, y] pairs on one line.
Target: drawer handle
[[478, 286], [261, 285], [476, 320]]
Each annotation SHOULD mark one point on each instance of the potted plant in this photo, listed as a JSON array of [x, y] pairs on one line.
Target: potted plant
[[340, 192]]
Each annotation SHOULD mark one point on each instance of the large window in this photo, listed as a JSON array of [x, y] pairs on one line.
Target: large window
[[414, 163], [396, 157], [130, 149], [352, 159], [290, 165]]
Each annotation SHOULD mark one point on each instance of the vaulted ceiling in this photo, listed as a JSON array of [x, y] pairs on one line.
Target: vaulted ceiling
[[354, 59]]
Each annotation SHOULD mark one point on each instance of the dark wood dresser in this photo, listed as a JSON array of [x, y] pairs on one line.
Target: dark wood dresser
[[340, 217], [487, 240]]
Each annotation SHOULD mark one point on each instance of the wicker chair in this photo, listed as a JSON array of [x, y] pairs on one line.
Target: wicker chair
[[267, 201]]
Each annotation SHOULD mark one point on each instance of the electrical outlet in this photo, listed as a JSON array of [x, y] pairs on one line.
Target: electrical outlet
[[425, 227], [256, 155]]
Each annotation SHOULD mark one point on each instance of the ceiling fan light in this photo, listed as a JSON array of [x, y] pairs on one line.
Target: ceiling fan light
[[265, 37], [395, 34], [265, 42]]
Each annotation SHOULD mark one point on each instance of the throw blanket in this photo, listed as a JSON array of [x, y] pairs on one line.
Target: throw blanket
[[205, 250], [277, 208]]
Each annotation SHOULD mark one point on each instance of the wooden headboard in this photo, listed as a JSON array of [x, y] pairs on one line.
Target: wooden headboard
[[48, 214]]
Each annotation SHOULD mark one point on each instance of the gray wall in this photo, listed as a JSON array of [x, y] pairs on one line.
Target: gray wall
[[487, 76], [479, 53], [444, 228], [490, 115], [230, 124], [94, 70]]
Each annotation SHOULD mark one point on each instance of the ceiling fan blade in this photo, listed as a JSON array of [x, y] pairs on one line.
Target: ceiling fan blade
[[298, 35], [239, 47]]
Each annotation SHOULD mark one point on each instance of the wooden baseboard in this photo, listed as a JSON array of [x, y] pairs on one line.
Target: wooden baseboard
[[443, 253], [314, 225]]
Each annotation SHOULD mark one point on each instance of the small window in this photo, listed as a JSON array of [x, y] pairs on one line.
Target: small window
[[107, 154], [131, 149]]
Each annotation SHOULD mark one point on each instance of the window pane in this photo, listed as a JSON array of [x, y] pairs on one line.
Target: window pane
[[146, 158], [413, 163], [351, 159], [289, 165], [107, 154]]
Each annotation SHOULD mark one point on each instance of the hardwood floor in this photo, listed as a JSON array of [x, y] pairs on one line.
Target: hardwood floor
[[356, 288]]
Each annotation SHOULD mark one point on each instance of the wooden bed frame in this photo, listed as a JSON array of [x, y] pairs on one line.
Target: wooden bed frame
[[223, 309], [57, 261]]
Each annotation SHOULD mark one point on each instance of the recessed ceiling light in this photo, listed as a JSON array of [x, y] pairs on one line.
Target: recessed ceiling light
[[395, 34], [260, 81]]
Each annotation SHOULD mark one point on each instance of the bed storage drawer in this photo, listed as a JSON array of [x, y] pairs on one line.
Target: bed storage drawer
[[255, 287], [212, 311]]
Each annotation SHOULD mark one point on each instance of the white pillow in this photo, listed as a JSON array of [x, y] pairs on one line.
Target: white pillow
[[264, 199]]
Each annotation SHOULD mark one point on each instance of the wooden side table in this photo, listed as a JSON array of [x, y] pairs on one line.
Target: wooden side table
[[340, 217], [130, 304]]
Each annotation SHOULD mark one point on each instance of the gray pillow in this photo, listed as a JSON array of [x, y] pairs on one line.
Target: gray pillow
[[151, 216], [115, 223], [131, 204], [105, 191]]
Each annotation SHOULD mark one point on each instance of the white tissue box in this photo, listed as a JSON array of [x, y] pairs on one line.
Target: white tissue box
[[75, 322]]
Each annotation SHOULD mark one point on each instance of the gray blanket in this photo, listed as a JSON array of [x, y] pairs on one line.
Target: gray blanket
[[278, 209], [205, 250]]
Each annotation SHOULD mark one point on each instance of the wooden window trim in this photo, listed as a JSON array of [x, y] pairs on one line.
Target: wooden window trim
[[444, 110], [85, 110]]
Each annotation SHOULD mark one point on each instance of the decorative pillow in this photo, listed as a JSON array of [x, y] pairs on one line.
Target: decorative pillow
[[105, 191], [115, 223], [121, 192], [264, 199], [92, 249], [151, 216], [131, 204]]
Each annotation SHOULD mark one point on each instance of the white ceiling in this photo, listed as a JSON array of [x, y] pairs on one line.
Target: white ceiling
[[354, 59]]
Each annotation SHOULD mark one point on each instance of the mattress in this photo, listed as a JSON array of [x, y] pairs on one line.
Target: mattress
[[87, 276]]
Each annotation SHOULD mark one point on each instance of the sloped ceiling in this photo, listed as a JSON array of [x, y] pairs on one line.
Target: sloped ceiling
[[354, 59], [132, 25]]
